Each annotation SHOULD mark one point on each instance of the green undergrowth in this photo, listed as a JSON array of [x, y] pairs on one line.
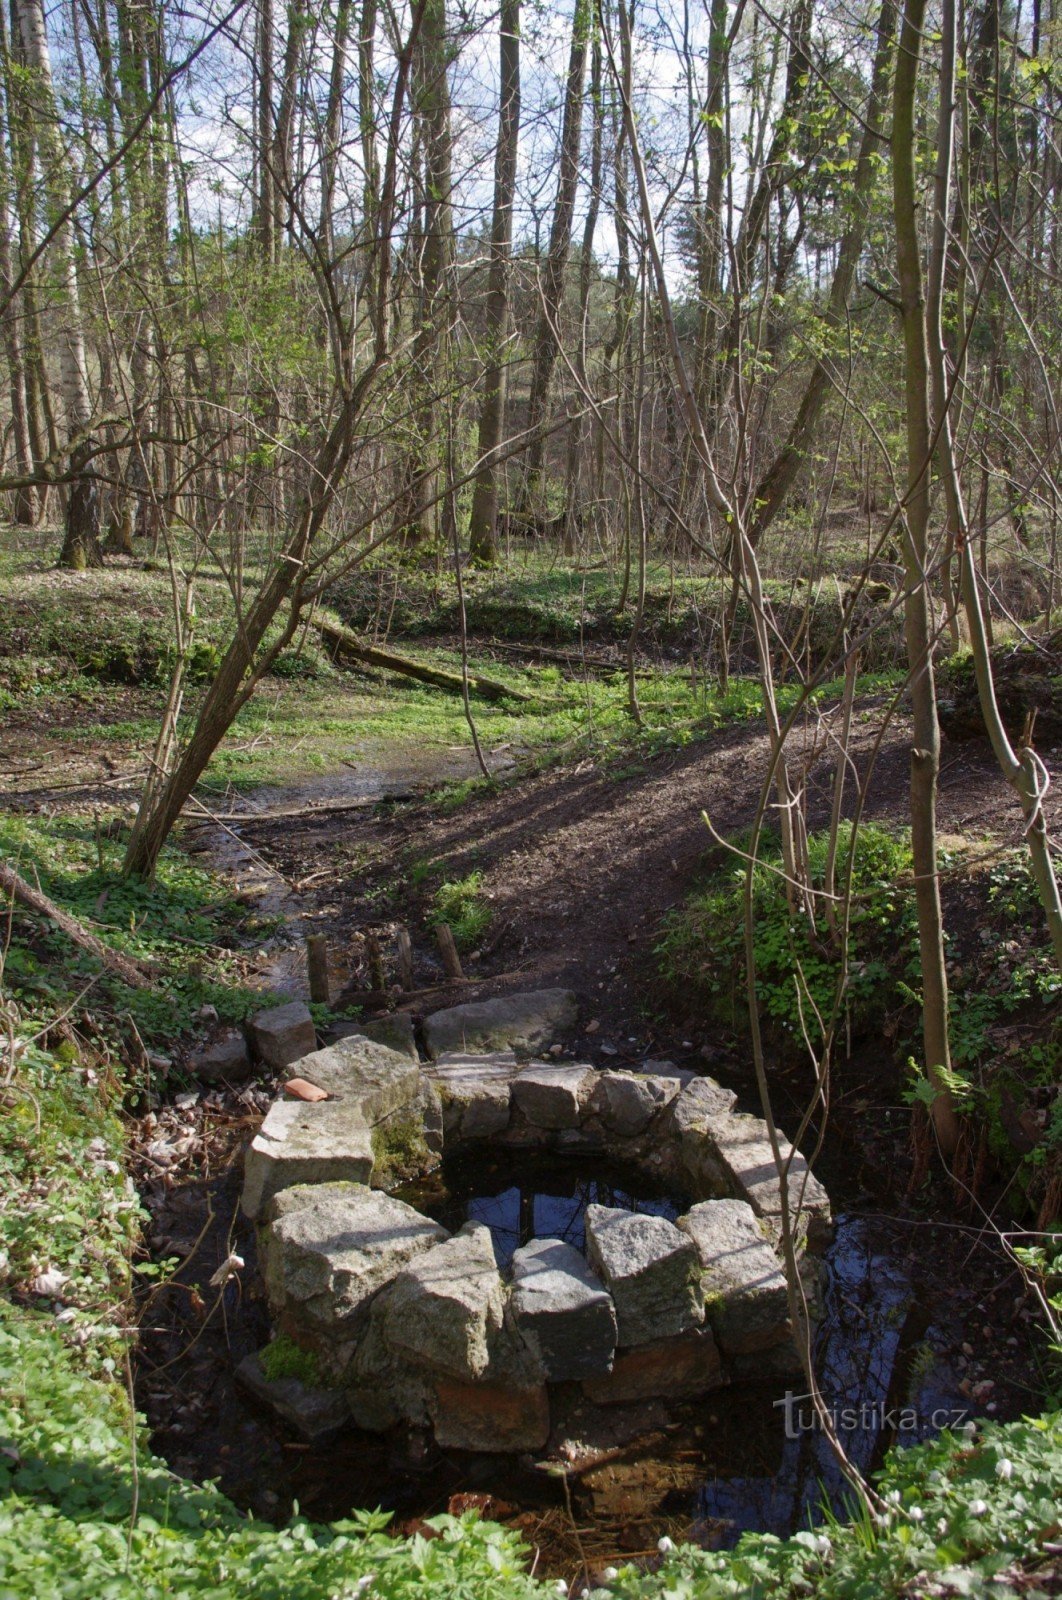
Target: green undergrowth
[[1004, 987], [188, 927], [459, 904]]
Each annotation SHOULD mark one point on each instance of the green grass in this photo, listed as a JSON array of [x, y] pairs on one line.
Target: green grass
[[187, 925], [459, 905]]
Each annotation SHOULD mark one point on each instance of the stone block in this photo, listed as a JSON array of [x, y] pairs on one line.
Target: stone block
[[396, 1032], [475, 1092], [745, 1294], [525, 1022], [383, 1389], [686, 1129], [742, 1148], [305, 1142], [225, 1060], [554, 1097], [326, 1250], [491, 1417], [359, 1070], [627, 1102], [283, 1034], [562, 1311], [316, 1415], [651, 1270], [675, 1369], [444, 1307]]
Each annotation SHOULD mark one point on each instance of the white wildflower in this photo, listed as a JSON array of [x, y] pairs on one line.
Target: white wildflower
[[665, 1545], [1004, 1469], [561, 1587], [942, 1525], [969, 1430], [977, 1508], [610, 1574], [823, 1546], [916, 1513], [893, 1497], [231, 1265]]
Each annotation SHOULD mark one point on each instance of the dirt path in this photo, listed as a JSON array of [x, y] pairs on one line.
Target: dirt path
[[580, 865]]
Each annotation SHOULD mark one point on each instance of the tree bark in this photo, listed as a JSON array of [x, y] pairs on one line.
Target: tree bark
[[483, 529], [925, 753]]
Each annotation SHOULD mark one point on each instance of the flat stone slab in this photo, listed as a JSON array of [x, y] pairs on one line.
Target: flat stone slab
[[284, 1034], [562, 1311], [651, 1270], [358, 1069], [329, 1248], [556, 1096], [316, 1415], [741, 1146], [444, 1307], [474, 1092], [676, 1368], [396, 1032], [627, 1102], [526, 1022], [744, 1287], [305, 1142]]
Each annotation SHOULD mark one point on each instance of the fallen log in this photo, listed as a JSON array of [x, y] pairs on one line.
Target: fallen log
[[346, 646], [11, 883]]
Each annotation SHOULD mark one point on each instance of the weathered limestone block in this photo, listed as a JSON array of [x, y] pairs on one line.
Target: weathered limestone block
[[283, 1034], [443, 1308], [562, 1311], [686, 1129], [382, 1388], [491, 1417], [316, 1415], [225, 1060], [356, 1069], [650, 1269], [430, 1109], [475, 1092], [676, 1368], [742, 1148], [744, 1287], [627, 1102], [507, 1411], [327, 1249], [554, 1096], [396, 1032], [303, 1142], [524, 1022]]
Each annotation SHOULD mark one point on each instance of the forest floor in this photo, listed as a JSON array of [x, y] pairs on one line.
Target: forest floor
[[592, 835]]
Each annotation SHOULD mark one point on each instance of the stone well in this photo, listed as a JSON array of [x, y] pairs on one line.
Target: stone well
[[399, 1322]]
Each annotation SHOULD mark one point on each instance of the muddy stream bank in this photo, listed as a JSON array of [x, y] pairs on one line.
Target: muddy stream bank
[[924, 1323]]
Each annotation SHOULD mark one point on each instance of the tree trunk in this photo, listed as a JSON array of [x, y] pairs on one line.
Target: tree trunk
[[925, 754], [560, 238], [483, 530]]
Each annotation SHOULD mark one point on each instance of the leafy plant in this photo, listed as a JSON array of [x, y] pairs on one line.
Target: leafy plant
[[459, 904]]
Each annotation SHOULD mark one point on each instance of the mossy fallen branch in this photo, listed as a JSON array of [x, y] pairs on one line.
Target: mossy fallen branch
[[346, 646]]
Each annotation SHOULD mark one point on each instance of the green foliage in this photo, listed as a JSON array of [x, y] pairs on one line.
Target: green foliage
[[798, 969], [283, 1358], [187, 921], [459, 904]]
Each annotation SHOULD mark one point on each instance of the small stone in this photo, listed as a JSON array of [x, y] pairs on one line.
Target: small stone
[[554, 1096], [329, 1248], [316, 1415], [305, 1143], [562, 1311], [284, 1034], [225, 1059], [675, 1368], [651, 1270], [627, 1102], [524, 1022], [443, 1308], [746, 1300]]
